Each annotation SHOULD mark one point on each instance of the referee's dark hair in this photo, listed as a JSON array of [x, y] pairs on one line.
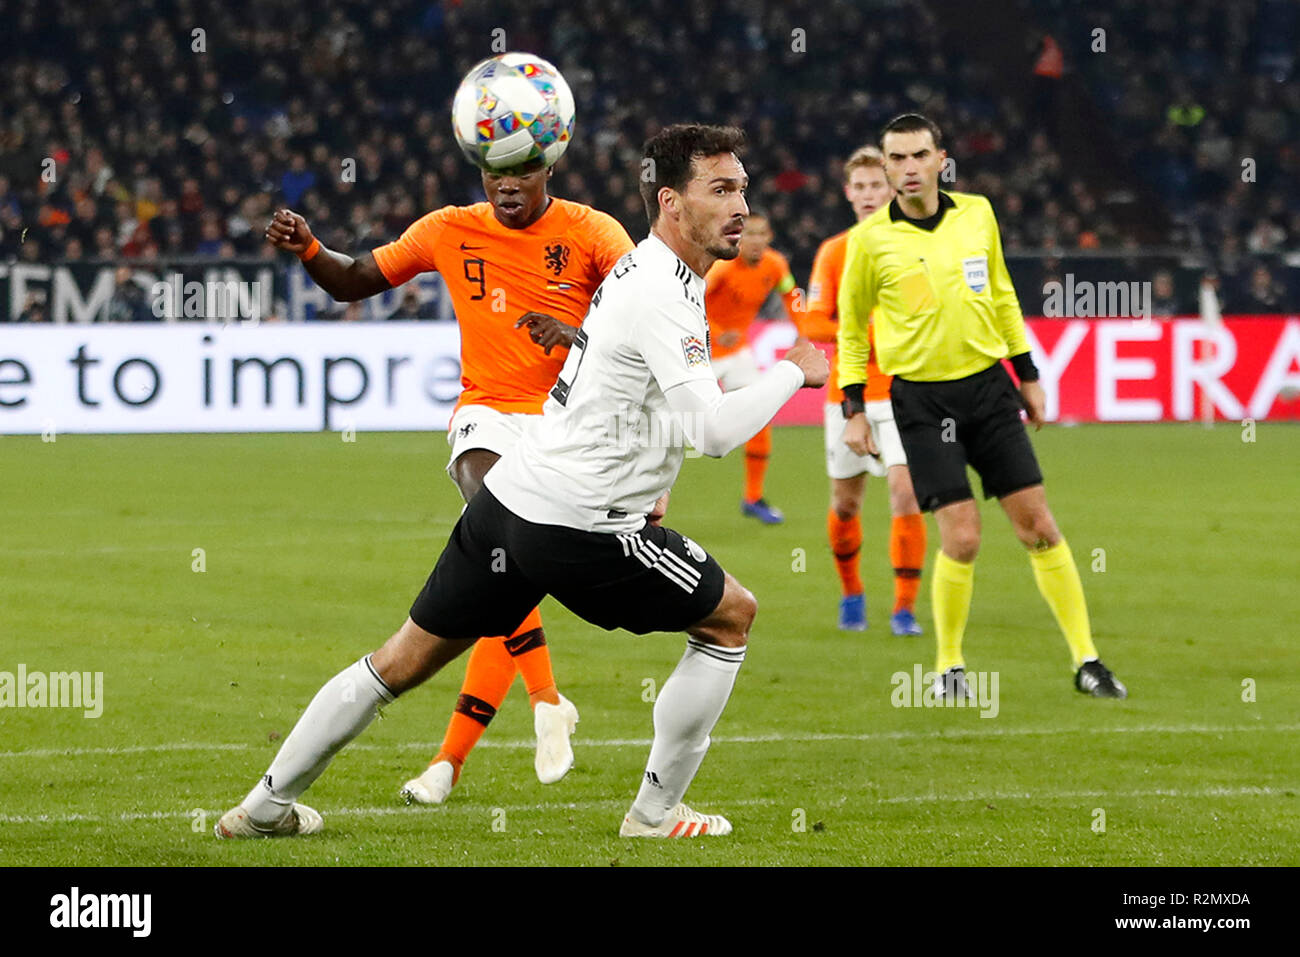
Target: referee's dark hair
[[667, 157], [912, 123]]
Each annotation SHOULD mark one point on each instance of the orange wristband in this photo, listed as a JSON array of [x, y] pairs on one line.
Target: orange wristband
[[311, 250]]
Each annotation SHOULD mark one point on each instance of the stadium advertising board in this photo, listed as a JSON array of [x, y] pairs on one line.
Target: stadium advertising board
[[1155, 371], [184, 377], [237, 378], [1113, 370]]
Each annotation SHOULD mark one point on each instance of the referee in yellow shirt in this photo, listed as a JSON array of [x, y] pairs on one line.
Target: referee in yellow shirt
[[930, 263]]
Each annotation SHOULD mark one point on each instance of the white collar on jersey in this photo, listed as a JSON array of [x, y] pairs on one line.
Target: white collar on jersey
[[659, 244]]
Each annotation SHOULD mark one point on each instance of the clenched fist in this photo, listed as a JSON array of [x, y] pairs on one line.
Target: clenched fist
[[812, 361], [287, 230]]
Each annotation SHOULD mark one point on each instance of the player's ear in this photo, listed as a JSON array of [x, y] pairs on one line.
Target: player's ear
[[668, 199]]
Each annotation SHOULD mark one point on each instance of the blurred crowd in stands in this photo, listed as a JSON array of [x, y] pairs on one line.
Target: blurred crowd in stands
[[155, 129]]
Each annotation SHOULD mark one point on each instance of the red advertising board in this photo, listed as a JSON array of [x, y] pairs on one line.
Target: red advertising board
[[1153, 370]]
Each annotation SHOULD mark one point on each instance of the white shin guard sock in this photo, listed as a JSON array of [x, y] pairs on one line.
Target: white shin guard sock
[[688, 707], [341, 710]]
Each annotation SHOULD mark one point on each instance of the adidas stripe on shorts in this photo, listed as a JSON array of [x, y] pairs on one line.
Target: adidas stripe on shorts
[[497, 567]]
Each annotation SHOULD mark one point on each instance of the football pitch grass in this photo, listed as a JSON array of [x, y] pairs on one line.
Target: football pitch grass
[[313, 548]]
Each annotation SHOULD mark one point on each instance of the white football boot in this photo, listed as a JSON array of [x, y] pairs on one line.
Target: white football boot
[[680, 822], [299, 822], [953, 683], [553, 724], [431, 787]]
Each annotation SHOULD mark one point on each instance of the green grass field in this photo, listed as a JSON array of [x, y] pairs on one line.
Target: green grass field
[[315, 547]]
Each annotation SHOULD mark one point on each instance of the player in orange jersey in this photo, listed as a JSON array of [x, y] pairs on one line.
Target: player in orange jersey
[[735, 291], [521, 269], [867, 189]]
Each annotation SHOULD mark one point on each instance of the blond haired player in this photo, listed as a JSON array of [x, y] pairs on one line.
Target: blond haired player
[[543, 259], [866, 189]]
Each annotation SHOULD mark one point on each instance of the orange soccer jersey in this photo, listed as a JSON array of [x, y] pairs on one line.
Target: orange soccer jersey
[[495, 274], [819, 322], [734, 292]]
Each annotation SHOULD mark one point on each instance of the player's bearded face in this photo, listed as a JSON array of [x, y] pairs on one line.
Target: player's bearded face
[[714, 207]]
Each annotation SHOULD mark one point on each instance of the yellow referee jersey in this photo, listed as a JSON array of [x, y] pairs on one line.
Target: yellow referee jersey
[[945, 306]]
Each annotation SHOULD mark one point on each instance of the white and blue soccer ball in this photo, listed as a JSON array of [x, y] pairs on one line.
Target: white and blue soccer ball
[[513, 111]]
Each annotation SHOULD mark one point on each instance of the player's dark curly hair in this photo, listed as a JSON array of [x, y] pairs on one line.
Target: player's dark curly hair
[[666, 157]]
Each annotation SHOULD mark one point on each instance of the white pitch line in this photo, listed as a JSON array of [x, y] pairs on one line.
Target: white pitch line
[[129, 749], [616, 803], [1245, 791], [774, 738], [430, 532], [380, 811]]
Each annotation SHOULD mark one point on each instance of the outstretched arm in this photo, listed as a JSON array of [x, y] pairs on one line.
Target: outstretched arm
[[716, 422], [344, 278]]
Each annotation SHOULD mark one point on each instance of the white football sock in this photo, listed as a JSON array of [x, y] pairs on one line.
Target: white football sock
[[341, 710], [688, 707]]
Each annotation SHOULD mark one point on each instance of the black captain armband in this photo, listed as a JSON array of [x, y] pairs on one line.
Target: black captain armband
[[853, 401], [1026, 371]]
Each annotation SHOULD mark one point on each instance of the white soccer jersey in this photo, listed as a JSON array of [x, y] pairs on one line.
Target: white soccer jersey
[[606, 446]]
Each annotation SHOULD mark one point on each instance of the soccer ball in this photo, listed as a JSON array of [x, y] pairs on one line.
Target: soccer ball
[[513, 111]]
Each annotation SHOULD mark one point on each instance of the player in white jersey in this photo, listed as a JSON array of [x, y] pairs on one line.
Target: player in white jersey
[[565, 511]]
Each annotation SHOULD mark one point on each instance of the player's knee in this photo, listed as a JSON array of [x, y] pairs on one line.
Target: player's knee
[[741, 611], [405, 660], [845, 506], [903, 502], [748, 610], [962, 544], [1040, 531], [395, 665], [902, 497]]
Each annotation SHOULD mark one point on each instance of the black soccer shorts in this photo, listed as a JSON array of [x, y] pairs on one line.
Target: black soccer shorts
[[497, 567], [947, 425]]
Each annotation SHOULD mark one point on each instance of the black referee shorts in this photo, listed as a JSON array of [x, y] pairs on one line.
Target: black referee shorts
[[974, 421], [497, 567]]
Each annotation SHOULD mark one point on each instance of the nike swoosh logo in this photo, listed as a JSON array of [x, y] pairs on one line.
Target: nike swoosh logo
[[463, 246]]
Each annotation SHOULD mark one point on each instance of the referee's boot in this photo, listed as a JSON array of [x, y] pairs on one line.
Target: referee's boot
[[1094, 678], [953, 684]]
